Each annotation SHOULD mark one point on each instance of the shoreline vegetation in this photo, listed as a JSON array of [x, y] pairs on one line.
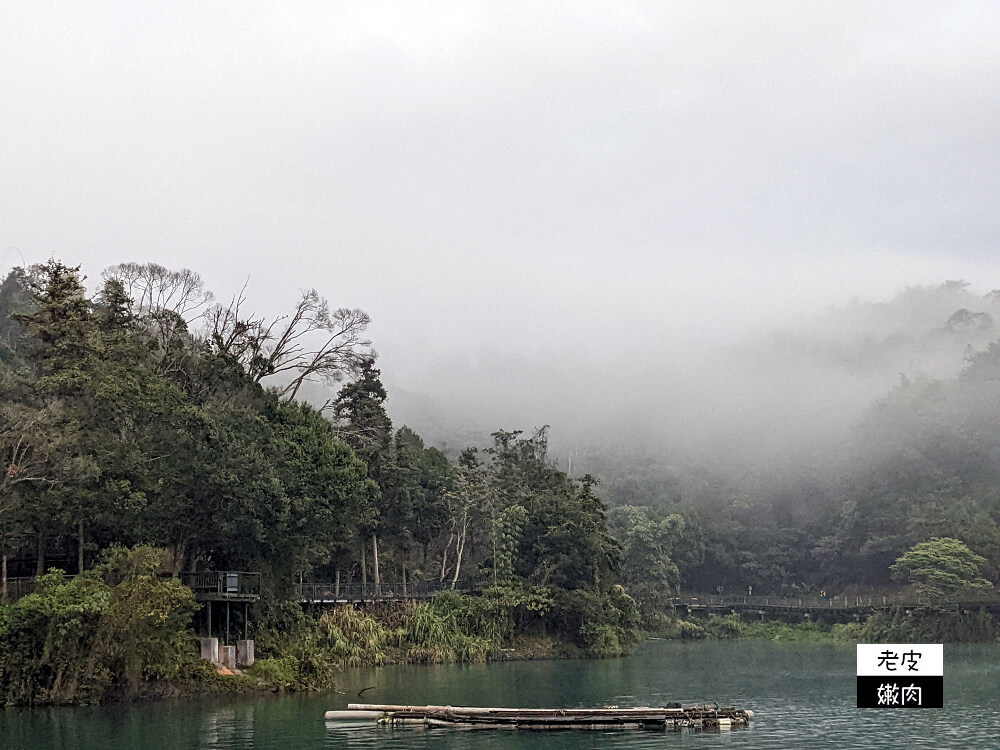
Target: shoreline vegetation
[[122, 632], [147, 430]]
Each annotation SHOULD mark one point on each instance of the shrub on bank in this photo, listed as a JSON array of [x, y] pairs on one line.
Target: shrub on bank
[[932, 625], [101, 634], [453, 627], [847, 632], [733, 626], [281, 673], [597, 623]]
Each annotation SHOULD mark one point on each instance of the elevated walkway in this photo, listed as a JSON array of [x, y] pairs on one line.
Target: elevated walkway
[[356, 593]]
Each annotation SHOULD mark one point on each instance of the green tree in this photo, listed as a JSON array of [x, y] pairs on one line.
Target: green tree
[[466, 505], [942, 570], [63, 356], [362, 422], [647, 541], [15, 298], [562, 536], [421, 477]]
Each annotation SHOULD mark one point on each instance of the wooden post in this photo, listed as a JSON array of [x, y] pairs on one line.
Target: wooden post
[[336, 585], [40, 549], [364, 571]]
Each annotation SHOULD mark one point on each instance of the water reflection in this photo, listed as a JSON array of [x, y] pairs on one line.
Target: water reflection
[[417, 738], [231, 727], [804, 696]]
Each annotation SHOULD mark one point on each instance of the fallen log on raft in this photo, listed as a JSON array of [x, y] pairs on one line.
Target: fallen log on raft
[[676, 716]]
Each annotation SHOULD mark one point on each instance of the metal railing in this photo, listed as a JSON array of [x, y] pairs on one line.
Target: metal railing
[[18, 588], [223, 584], [366, 592], [722, 601]]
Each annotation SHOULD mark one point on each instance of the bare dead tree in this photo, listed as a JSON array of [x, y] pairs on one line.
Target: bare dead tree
[[153, 288], [165, 303], [313, 343], [231, 333]]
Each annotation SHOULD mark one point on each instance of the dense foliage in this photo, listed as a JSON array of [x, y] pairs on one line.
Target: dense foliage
[[148, 415], [906, 504], [105, 631]]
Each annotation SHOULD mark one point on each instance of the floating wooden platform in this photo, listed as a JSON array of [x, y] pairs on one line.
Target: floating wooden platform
[[676, 716]]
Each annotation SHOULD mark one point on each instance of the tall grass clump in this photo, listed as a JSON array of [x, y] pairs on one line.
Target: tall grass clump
[[435, 632], [341, 637]]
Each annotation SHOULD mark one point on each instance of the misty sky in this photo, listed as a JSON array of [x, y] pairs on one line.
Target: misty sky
[[520, 194]]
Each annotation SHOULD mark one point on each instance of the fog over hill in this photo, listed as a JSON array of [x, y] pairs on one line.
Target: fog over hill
[[782, 394]]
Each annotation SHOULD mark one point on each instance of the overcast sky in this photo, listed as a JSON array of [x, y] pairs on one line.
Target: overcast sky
[[576, 181]]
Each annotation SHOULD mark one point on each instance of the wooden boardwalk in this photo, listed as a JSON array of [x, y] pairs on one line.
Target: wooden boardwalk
[[16, 588]]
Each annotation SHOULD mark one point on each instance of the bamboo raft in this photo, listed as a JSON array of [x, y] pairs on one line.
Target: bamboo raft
[[674, 716]]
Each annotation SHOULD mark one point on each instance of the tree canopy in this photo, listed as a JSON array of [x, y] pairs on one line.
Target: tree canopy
[[943, 571]]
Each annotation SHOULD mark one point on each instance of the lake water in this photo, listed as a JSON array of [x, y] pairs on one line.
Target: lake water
[[803, 695]]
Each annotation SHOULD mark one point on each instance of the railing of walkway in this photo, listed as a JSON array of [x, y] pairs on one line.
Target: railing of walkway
[[223, 584], [17, 588], [362, 592], [812, 603]]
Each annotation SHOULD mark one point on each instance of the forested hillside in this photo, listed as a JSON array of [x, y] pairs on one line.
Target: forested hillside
[[148, 414]]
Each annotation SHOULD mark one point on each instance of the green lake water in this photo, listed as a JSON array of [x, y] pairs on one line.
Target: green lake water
[[803, 695]]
